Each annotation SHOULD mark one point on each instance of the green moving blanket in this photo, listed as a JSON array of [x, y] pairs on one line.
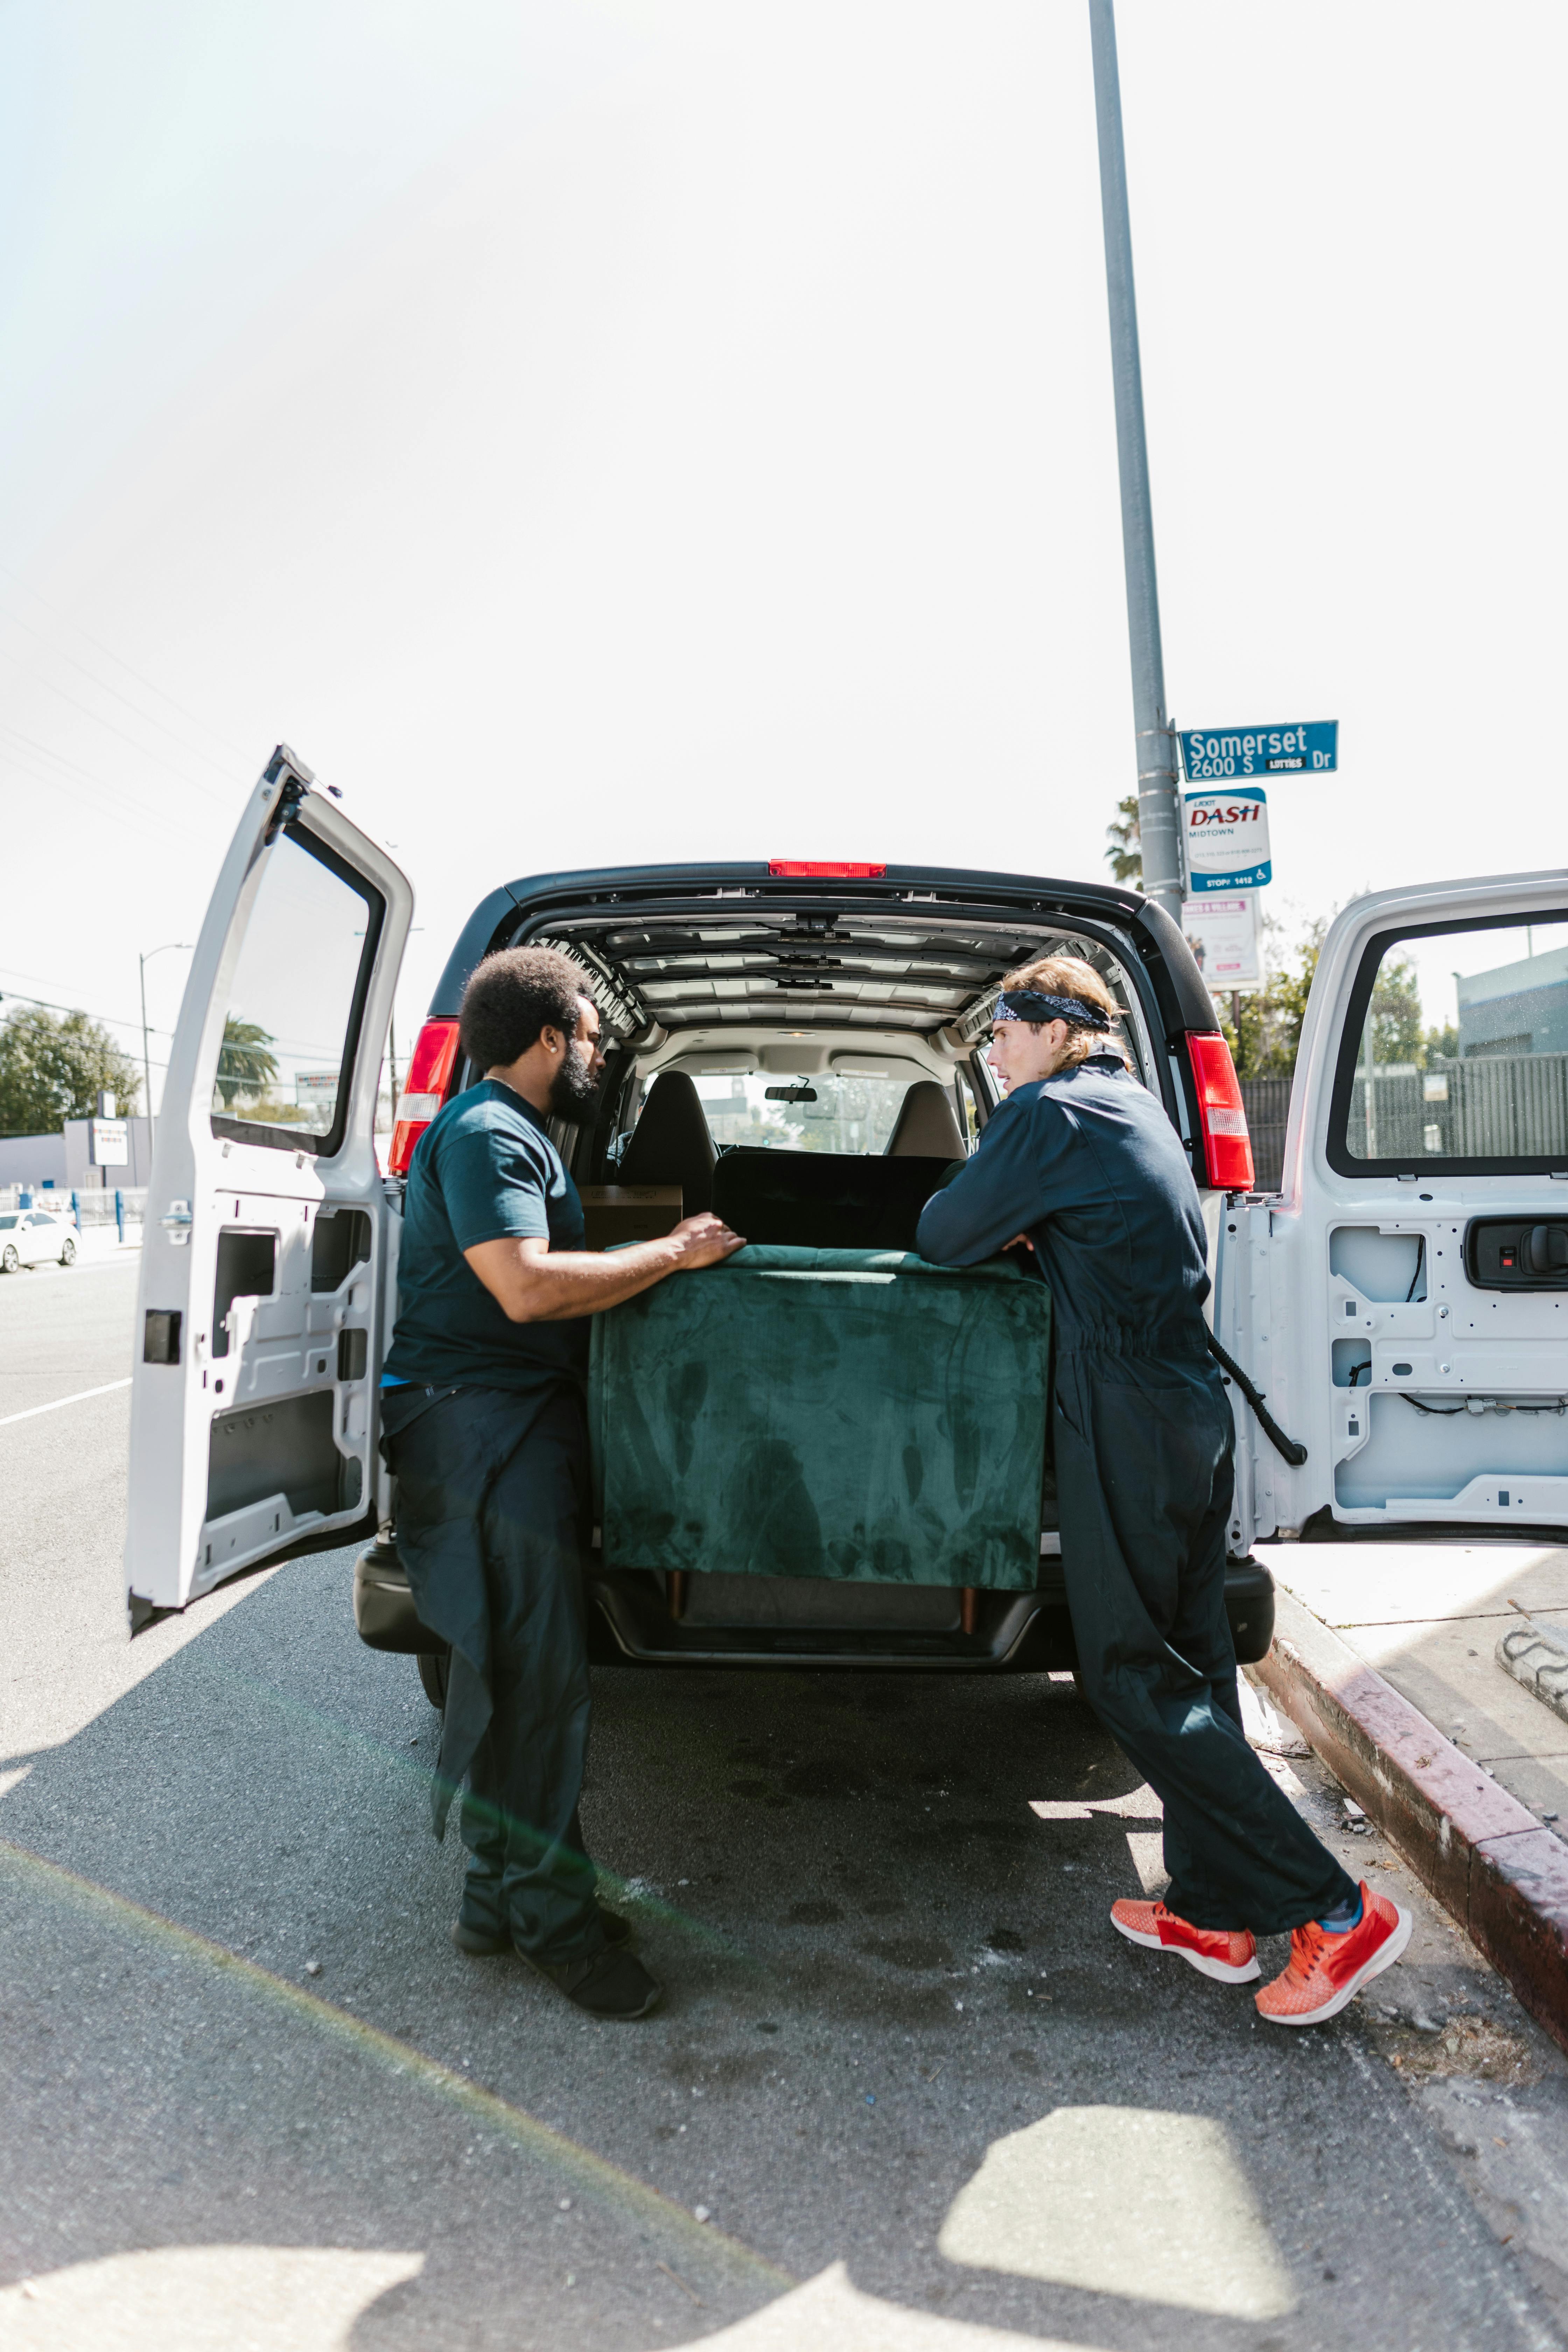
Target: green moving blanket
[[848, 1413]]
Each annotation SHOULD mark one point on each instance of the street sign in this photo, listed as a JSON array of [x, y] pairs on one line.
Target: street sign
[[108, 1143], [1210, 753], [1227, 840], [1220, 930]]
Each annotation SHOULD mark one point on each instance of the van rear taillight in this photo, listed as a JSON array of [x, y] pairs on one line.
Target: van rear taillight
[[1222, 1115], [805, 869], [429, 1075]]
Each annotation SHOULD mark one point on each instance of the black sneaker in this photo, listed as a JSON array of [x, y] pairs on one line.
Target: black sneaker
[[606, 1984], [483, 1943]]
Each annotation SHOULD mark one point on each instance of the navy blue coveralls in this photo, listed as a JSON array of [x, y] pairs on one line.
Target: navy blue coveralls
[[1088, 1166]]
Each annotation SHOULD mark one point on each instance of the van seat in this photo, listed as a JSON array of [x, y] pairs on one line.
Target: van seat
[[925, 1128], [670, 1143], [826, 1199]]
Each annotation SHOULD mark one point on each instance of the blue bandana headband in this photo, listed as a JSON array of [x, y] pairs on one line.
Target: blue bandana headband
[[1033, 1005]]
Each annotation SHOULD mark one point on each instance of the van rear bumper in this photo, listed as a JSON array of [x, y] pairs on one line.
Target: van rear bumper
[[631, 1624]]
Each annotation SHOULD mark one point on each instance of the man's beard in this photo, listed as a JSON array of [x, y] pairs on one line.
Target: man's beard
[[572, 1089]]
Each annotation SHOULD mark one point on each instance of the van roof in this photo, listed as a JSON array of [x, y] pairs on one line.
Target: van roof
[[917, 949]]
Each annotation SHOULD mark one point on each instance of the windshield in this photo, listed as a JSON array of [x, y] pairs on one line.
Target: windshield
[[6, 1224], [830, 1111]]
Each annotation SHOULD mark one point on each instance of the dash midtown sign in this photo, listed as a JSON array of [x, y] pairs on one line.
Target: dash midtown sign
[[1227, 840], [1209, 754]]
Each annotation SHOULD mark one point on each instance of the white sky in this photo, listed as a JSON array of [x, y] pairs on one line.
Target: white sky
[[682, 428]]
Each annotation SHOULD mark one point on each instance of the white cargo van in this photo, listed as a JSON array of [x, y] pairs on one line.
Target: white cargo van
[[1400, 1304]]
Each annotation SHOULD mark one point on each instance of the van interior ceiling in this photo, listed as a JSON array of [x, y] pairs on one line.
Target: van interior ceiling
[[812, 1030]]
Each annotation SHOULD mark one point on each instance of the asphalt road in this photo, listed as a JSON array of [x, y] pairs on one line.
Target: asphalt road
[[922, 2093]]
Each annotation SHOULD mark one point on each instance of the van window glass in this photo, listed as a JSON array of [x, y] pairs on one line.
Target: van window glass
[[286, 1058], [968, 1112], [828, 1110], [1457, 1050]]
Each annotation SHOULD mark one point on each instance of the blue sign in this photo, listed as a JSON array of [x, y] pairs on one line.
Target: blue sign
[[1210, 754]]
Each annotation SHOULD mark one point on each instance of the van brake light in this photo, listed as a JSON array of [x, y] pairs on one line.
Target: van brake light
[[1222, 1114], [429, 1075], [808, 869]]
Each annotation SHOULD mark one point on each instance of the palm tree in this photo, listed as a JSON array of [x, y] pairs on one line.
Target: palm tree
[[1126, 851], [244, 1065]]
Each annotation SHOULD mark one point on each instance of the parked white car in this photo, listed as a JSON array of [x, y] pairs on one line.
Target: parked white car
[[28, 1236]]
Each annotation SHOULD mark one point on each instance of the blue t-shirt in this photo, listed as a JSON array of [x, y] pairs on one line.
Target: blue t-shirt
[[485, 1170]]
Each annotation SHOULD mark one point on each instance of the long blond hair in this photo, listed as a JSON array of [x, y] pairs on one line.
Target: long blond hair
[[1065, 975]]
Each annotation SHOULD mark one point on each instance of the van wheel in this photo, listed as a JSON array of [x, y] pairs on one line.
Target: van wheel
[[433, 1675], [10, 1260], [68, 1252]]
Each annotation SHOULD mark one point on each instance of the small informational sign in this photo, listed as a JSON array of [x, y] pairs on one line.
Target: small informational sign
[[1305, 748], [1226, 838], [1220, 930], [315, 1087], [108, 1143]]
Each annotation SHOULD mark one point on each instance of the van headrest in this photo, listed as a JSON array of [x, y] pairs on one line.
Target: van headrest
[[926, 1127], [670, 1143]]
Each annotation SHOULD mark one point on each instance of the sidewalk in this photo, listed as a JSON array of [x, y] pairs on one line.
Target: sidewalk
[[103, 1241], [1386, 1657]]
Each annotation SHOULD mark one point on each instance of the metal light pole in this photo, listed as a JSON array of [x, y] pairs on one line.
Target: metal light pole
[[144, 961], [1159, 793]]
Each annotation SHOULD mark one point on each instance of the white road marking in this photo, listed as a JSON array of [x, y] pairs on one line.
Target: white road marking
[[80, 1397]]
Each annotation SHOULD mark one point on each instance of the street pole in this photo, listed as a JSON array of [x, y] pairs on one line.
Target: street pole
[[146, 1063], [144, 961], [1159, 793]]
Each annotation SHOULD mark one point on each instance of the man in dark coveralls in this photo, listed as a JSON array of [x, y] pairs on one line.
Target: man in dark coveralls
[[482, 1415], [1082, 1162]]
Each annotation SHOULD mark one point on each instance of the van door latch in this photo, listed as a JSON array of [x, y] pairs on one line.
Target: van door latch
[[1517, 1253]]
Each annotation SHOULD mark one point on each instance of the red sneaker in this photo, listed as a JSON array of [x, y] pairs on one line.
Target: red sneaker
[[1326, 1972], [1229, 1953]]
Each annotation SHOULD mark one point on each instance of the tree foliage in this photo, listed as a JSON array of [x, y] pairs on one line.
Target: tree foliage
[[1266, 1038], [244, 1066], [54, 1066], [1125, 855]]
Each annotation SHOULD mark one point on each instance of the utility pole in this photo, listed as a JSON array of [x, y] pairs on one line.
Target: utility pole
[[1158, 793]]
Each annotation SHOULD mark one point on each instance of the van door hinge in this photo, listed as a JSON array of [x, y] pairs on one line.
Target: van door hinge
[[288, 801]]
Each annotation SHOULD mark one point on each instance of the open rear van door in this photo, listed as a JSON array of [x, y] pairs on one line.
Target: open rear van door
[[269, 1240], [1404, 1300]]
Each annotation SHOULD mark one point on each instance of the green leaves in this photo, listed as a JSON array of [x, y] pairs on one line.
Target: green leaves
[[244, 1065], [53, 1066]]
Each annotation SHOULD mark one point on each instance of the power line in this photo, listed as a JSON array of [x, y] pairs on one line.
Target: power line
[[115, 1020], [110, 655], [99, 720], [104, 688], [135, 815]]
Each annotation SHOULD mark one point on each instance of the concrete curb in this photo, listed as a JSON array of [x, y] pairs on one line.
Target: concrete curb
[[1501, 1874]]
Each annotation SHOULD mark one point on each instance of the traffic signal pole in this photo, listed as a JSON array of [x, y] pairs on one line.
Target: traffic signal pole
[[1159, 791]]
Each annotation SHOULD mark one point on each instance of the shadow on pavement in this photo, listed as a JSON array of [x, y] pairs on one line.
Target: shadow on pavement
[[232, 2017]]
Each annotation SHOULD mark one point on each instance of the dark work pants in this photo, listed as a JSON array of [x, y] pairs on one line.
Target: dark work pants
[[1144, 1477], [492, 1499]]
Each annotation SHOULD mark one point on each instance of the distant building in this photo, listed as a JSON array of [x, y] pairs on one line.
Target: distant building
[[36, 1160], [1519, 1008], [63, 1161]]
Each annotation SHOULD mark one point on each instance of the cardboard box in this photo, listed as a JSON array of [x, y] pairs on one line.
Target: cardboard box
[[628, 1213]]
